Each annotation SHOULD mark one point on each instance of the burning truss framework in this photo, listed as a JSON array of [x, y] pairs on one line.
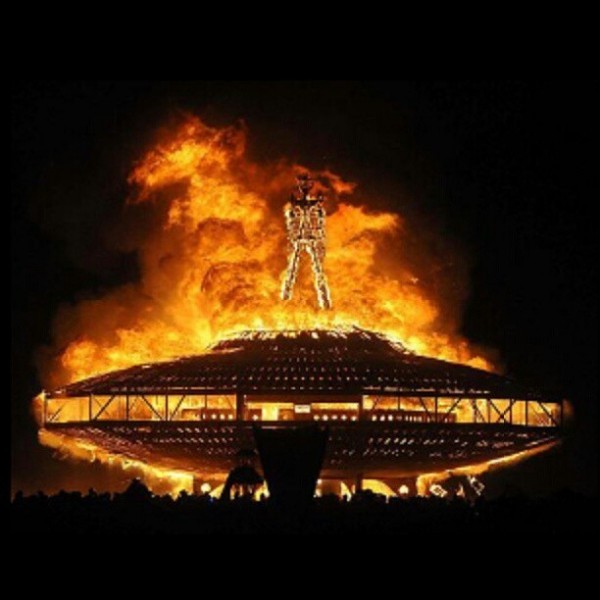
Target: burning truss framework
[[388, 412]]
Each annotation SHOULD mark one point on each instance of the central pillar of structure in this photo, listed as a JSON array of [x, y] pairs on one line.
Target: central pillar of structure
[[291, 458]]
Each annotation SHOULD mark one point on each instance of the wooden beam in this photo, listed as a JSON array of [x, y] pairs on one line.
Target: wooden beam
[[239, 406], [476, 410], [55, 414], [176, 408], [501, 414], [160, 418], [424, 406], [103, 408], [453, 406], [549, 414]]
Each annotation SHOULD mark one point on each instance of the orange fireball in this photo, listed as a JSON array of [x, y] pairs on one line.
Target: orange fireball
[[213, 261]]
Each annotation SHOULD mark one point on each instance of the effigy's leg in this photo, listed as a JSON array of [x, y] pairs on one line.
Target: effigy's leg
[[316, 255], [291, 272]]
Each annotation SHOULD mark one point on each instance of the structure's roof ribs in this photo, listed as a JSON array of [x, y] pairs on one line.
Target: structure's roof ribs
[[305, 362]]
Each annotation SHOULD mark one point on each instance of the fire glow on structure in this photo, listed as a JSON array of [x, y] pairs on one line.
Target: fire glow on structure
[[213, 264]]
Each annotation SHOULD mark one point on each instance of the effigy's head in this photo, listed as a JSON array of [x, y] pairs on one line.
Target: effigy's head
[[305, 183]]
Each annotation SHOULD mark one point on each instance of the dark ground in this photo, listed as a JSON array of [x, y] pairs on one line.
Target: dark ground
[[135, 511]]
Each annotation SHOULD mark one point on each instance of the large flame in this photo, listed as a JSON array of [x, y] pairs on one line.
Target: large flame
[[207, 225]]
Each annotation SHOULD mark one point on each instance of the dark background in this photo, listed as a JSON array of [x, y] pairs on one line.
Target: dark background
[[504, 168]]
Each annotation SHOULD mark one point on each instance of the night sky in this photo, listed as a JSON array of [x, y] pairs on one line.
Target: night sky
[[503, 169]]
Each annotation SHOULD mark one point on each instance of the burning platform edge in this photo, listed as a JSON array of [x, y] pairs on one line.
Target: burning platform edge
[[388, 415]]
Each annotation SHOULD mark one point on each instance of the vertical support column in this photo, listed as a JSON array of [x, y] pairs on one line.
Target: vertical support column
[[239, 406], [436, 409], [358, 486], [166, 407], [360, 408], [526, 412], [127, 407], [510, 411]]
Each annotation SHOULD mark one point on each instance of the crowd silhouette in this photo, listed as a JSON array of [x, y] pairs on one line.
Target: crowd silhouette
[[136, 510]]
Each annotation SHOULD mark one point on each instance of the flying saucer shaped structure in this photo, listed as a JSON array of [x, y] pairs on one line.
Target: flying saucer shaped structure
[[386, 412]]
